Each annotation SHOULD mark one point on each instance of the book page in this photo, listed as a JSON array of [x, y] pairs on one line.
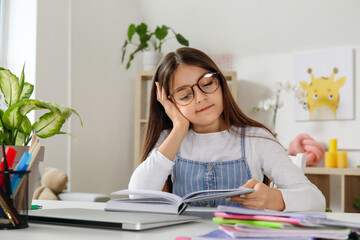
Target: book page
[[150, 193], [146, 200], [215, 194]]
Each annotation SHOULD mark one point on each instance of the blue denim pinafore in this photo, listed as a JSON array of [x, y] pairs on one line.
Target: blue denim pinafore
[[190, 176]]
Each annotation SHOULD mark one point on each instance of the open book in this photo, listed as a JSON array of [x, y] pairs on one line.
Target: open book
[[164, 202]]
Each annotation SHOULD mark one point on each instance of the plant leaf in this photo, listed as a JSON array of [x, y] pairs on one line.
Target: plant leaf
[[144, 38], [20, 139], [141, 29], [131, 31], [26, 91], [9, 85], [71, 135], [161, 33], [27, 106], [1, 114], [4, 132], [124, 51], [22, 78], [3, 135], [76, 113], [2, 139], [14, 120], [131, 57], [11, 117], [49, 124], [182, 40], [57, 108], [25, 126]]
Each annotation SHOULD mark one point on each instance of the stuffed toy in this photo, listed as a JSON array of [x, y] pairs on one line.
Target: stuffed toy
[[53, 182], [303, 143]]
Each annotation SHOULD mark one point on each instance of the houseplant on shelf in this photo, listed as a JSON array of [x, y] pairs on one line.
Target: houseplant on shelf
[[148, 40], [15, 104]]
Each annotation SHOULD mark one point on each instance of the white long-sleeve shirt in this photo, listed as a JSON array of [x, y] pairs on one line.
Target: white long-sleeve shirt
[[263, 154]]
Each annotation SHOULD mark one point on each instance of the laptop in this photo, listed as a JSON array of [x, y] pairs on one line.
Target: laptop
[[105, 219]]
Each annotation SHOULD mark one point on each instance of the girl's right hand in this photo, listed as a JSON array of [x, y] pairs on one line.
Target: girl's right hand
[[171, 109]]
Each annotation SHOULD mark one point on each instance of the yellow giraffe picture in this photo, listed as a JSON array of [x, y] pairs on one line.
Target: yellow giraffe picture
[[323, 95], [325, 85]]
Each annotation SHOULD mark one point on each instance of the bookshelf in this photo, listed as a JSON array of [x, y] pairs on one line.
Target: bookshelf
[[142, 96], [350, 182]]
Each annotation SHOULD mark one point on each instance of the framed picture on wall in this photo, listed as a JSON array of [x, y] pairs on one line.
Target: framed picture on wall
[[327, 81]]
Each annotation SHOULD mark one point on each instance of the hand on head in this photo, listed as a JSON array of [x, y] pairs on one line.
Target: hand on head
[[263, 197], [170, 108]]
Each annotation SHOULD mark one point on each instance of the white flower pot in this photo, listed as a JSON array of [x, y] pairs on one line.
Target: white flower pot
[[151, 59]]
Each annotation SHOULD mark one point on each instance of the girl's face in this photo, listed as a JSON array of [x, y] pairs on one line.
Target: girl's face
[[204, 112]]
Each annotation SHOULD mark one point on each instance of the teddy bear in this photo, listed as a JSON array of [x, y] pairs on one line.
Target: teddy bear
[[53, 182]]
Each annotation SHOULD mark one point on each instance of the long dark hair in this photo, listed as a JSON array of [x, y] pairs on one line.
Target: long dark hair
[[158, 119]]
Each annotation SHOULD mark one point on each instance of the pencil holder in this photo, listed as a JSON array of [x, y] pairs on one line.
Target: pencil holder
[[14, 206]]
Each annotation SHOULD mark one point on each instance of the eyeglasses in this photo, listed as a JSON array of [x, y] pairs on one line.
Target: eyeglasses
[[207, 83]]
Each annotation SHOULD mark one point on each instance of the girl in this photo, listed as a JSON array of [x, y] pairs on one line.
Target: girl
[[198, 135]]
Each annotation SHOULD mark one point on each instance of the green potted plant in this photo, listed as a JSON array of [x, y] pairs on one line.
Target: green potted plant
[[15, 126], [148, 40], [16, 129]]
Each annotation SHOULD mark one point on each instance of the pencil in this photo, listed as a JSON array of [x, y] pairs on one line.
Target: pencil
[[33, 138], [32, 148], [34, 153], [8, 209]]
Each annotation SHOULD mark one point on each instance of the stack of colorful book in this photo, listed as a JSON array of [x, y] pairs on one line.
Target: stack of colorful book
[[244, 223]]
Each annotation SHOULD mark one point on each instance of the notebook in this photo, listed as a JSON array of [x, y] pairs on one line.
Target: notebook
[[104, 219]]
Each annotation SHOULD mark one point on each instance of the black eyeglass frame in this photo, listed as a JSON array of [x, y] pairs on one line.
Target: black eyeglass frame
[[171, 96]]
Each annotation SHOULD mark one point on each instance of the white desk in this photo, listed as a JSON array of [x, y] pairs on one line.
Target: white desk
[[52, 232]]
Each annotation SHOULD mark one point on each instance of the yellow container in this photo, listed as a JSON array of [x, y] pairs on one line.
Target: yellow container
[[333, 145], [331, 159], [342, 159]]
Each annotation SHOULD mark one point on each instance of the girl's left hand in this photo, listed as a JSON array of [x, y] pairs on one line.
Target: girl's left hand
[[263, 197]]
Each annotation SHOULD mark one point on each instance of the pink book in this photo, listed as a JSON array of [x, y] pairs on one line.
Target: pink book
[[294, 221]]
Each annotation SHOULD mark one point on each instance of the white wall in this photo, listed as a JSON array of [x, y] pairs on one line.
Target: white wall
[[78, 64], [103, 92], [258, 27], [52, 72], [21, 37], [3, 30]]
